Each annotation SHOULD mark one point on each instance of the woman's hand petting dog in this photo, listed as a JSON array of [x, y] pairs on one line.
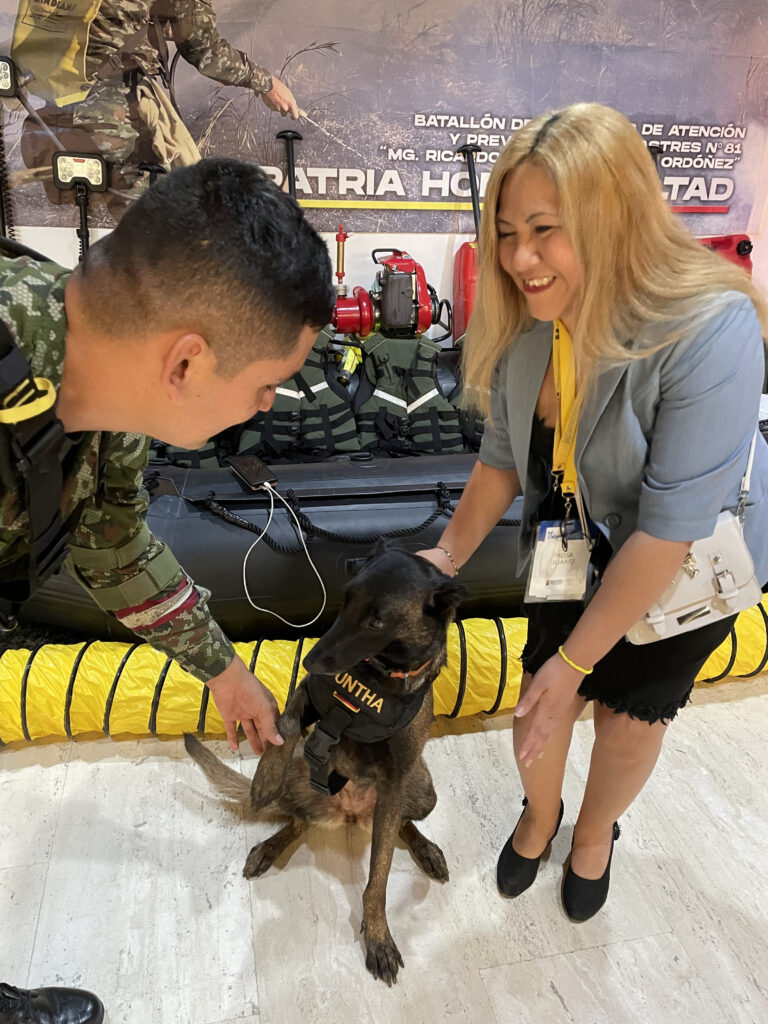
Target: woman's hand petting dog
[[551, 698], [240, 697], [440, 558]]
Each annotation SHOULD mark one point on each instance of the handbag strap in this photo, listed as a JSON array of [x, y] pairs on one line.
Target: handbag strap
[[745, 480]]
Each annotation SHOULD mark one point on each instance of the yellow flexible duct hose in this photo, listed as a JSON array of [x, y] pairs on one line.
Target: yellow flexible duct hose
[[123, 689]]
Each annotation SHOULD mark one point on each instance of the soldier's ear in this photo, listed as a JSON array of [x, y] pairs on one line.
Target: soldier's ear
[[187, 363]]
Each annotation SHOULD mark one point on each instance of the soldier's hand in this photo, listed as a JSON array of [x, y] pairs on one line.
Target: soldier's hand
[[281, 98], [240, 697]]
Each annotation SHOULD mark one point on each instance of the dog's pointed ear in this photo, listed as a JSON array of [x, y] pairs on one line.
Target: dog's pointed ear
[[383, 544], [446, 598], [354, 565]]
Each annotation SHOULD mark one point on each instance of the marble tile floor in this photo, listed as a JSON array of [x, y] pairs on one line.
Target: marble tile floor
[[120, 871]]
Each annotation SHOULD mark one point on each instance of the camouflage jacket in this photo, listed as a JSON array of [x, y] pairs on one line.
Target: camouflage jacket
[[128, 571], [119, 36]]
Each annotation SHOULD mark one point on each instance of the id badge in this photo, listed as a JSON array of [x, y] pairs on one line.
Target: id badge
[[560, 564]]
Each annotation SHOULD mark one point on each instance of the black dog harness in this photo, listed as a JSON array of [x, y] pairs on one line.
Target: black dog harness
[[352, 704]]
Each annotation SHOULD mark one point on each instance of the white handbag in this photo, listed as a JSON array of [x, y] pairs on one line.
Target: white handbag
[[717, 579]]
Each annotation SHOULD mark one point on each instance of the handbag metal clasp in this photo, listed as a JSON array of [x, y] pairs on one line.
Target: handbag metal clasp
[[724, 581], [689, 566]]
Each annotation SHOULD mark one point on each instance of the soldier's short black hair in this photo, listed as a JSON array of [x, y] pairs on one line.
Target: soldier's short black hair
[[219, 249]]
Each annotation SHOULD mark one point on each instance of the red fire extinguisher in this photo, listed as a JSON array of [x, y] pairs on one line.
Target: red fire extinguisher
[[465, 260]]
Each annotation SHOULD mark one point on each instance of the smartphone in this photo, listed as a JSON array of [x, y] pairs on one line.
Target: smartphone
[[252, 471]]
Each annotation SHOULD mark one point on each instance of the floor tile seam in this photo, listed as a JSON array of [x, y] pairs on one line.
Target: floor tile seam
[[48, 868], [578, 949], [251, 904], [26, 864]]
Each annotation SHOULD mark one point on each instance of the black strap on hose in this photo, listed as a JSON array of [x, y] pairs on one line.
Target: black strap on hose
[[71, 688], [502, 668], [23, 695], [35, 447], [764, 659], [462, 670], [113, 689], [727, 670]]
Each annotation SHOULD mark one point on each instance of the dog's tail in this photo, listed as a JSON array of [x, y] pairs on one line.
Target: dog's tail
[[229, 782]]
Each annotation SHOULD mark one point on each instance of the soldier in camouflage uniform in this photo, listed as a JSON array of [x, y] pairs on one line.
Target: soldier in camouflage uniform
[[208, 294], [127, 116]]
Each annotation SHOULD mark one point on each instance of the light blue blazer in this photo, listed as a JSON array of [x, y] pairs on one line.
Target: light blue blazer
[[662, 442]]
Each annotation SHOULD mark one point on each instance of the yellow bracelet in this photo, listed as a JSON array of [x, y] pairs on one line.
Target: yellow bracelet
[[567, 660]]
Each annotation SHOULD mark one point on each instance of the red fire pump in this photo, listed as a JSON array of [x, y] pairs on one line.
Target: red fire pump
[[735, 248], [400, 303]]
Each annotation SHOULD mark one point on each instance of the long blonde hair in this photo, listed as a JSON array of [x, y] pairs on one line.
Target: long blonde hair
[[640, 264]]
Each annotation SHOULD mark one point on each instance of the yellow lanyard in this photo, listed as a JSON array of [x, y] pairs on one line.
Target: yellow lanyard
[[568, 408]]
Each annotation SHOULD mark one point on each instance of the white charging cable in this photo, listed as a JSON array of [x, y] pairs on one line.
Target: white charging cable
[[296, 625]]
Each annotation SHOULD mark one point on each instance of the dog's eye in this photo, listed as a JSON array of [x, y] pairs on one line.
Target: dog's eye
[[374, 623]]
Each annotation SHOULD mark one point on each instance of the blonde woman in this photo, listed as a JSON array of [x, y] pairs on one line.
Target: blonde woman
[[586, 279]]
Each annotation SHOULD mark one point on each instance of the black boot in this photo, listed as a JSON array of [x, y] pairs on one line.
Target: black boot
[[49, 1006], [583, 897], [515, 873]]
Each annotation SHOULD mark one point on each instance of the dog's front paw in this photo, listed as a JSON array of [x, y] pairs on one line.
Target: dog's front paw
[[261, 858], [382, 957]]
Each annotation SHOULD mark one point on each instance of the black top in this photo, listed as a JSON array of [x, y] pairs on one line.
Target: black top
[[552, 505]]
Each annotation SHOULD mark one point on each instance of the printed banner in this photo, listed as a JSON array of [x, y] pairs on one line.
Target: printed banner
[[391, 92]]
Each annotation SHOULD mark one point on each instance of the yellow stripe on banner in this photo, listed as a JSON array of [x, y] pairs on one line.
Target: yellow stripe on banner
[[381, 204]]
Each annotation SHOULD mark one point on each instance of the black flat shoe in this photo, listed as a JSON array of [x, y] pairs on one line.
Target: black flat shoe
[[515, 873], [49, 1006], [583, 897]]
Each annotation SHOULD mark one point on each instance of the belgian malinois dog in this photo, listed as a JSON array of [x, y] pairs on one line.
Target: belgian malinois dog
[[369, 691]]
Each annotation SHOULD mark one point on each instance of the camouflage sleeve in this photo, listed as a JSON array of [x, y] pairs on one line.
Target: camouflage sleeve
[[133, 575], [196, 36]]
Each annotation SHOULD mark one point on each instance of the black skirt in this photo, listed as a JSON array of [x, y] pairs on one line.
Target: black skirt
[[650, 682]]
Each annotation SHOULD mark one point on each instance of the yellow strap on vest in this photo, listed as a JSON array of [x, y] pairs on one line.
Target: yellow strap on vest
[[568, 408], [19, 413]]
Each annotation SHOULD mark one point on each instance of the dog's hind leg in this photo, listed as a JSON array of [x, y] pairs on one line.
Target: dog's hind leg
[[427, 854], [264, 854], [273, 763], [420, 799]]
